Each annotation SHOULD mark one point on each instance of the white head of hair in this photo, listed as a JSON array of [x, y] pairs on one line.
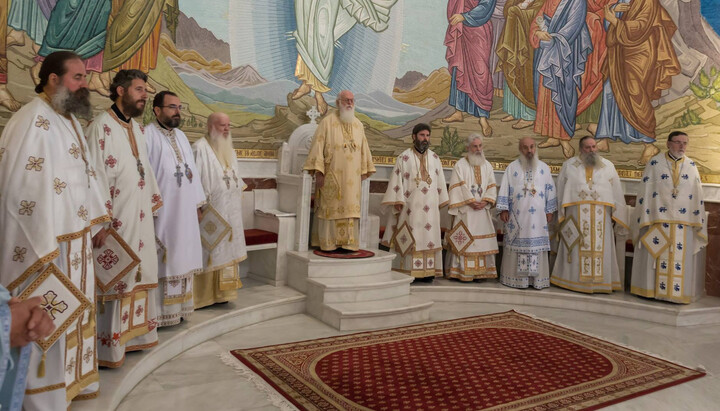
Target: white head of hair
[[472, 137]]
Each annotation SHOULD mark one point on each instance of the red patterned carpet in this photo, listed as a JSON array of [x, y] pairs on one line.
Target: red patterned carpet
[[506, 361]]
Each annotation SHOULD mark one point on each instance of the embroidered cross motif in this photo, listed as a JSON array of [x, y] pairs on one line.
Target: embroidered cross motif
[[460, 237], [51, 306], [595, 195], [59, 185], [139, 311], [156, 198], [43, 123], [583, 195], [34, 163], [88, 355], [116, 223], [82, 213], [76, 261], [141, 245], [70, 367], [106, 129], [125, 317], [428, 226], [532, 210], [120, 287], [19, 254], [101, 143], [108, 259], [141, 184], [210, 227], [426, 208], [74, 151], [110, 161], [26, 207], [142, 215]]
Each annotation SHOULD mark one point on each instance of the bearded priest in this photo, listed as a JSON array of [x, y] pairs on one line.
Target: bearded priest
[[472, 240], [220, 177], [340, 159], [591, 199]]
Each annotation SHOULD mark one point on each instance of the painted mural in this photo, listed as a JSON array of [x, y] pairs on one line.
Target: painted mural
[[626, 71]]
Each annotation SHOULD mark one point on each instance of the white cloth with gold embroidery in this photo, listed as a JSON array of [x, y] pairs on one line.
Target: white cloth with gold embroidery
[[50, 205], [594, 201], [176, 224], [467, 184], [528, 196], [673, 275], [127, 320], [341, 152], [223, 190], [421, 197]]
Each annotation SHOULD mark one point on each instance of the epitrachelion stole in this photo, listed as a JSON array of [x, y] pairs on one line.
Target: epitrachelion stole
[[113, 261], [213, 228]]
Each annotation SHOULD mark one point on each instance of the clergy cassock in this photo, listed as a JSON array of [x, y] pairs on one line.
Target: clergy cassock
[[177, 231], [528, 196], [127, 311], [671, 229], [473, 255], [590, 200], [50, 206], [223, 189], [341, 152], [13, 363], [418, 184]]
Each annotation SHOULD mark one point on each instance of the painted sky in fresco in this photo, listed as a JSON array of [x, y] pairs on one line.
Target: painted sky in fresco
[[213, 18], [425, 24]]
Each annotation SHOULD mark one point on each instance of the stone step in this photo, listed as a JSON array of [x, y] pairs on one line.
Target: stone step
[[366, 315], [317, 266], [381, 286]]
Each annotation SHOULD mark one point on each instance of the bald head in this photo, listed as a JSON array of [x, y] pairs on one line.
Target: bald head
[[527, 148], [218, 123]]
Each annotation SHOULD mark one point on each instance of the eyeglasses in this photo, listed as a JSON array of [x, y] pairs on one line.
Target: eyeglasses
[[174, 107], [347, 100]]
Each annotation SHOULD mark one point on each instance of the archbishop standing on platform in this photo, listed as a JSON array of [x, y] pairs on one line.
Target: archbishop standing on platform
[[472, 240], [591, 198], [340, 159], [671, 227], [218, 171]]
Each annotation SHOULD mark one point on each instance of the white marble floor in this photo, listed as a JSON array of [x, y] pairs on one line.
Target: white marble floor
[[198, 380]]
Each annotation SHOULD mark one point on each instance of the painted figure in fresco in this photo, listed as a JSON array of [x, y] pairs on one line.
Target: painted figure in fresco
[[560, 36], [469, 44], [320, 23], [515, 57], [638, 38], [6, 99], [498, 23]]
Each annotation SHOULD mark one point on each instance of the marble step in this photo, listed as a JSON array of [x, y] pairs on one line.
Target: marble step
[[366, 315], [381, 286]]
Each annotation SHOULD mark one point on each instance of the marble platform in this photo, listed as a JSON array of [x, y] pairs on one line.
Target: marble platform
[[706, 311]]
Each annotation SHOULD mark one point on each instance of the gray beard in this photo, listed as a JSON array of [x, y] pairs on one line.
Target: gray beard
[[476, 159], [590, 159], [77, 103], [528, 165], [223, 146]]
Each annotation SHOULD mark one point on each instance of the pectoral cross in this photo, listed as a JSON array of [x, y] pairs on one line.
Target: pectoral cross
[[178, 175], [227, 180], [141, 169]]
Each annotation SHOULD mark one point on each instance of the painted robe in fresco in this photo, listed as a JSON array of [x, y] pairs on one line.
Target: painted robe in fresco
[[670, 271], [3, 42], [467, 184], [516, 55], [341, 152], [51, 203], [559, 65], [223, 189], [592, 78], [13, 361], [593, 198], [31, 16], [133, 35], [320, 23], [528, 196], [418, 184], [641, 39], [498, 22], [177, 229], [127, 313], [468, 56]]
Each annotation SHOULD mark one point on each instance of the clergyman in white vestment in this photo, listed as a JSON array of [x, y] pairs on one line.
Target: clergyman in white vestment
[[526, 201], [218, 171], [670, 227], [51, 203], [415, 194], [177, 229], [472, 194], [127, 311], [591, 198]]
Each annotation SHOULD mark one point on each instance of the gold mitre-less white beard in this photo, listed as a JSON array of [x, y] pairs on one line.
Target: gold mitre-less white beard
[[222, 146], [476, 159], [529, 164], [347, 115]]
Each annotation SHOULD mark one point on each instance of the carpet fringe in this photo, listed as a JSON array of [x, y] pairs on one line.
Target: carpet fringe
[[270, 393], [699, 367]]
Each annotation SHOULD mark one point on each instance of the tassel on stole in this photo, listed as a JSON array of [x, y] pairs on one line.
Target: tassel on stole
[[41, 366]]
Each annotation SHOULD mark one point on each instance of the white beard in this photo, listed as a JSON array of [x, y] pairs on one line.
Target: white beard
[[476, 159], [528, 165], [591, 160], [347, 116], [223, 147]]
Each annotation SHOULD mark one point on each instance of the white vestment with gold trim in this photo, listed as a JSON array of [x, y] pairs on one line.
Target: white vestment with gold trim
[[528, 195], [670, 230], [591, 200], [467, 184], [127, 313], [50, 206], [223, 190], [421, 195], [176, 225]]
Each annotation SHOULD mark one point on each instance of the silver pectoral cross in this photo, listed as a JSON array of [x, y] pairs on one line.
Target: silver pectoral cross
[[227, 180], [178, 175]]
